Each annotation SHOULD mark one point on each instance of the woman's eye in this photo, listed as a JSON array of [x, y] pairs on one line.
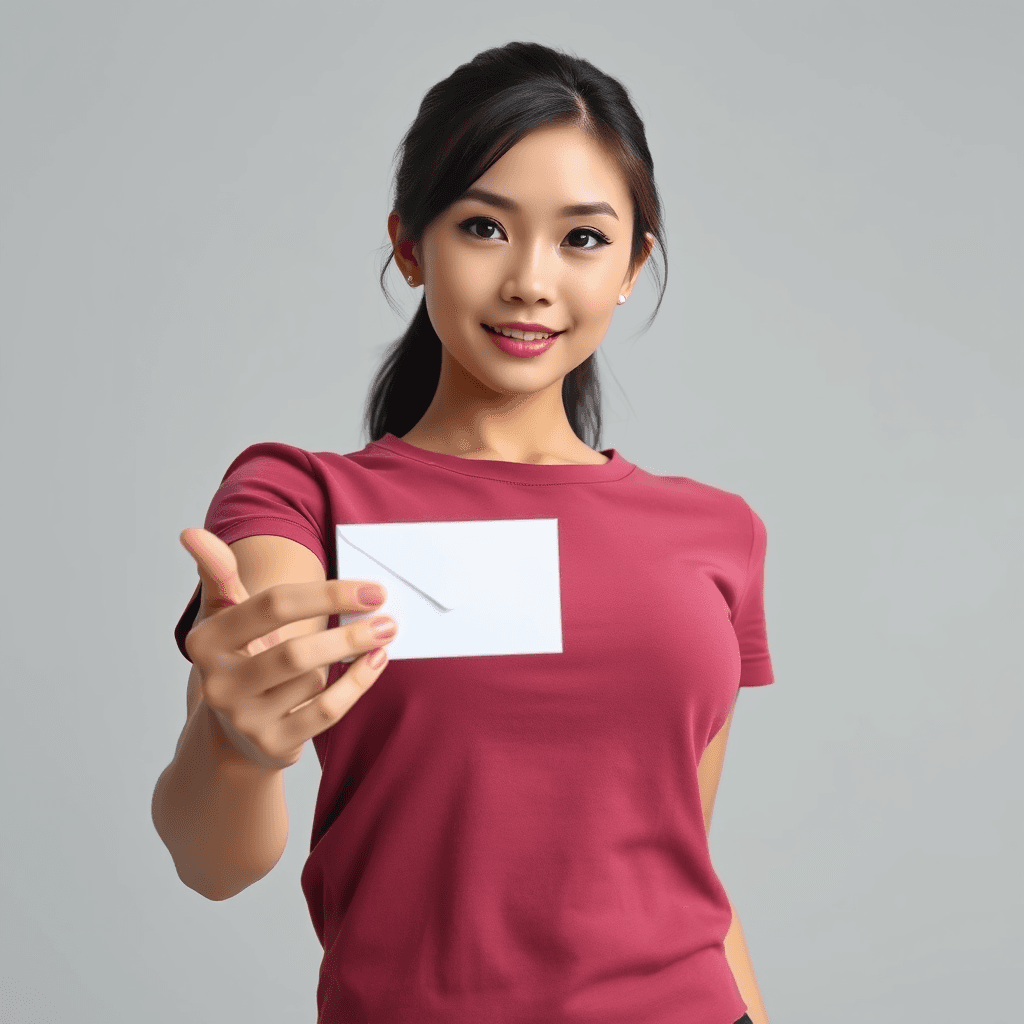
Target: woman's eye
[[601, 240], [486, 222], [479, 220]]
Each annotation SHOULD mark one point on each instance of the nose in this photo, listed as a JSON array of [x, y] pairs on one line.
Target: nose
[[531, 278]]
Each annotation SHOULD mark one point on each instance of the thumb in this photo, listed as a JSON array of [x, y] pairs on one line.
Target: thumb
[[218, 569]]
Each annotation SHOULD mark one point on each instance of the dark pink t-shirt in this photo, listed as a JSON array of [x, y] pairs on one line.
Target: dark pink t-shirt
[[521, 838]]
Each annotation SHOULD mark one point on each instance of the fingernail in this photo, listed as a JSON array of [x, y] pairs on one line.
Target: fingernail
[[370, 595]]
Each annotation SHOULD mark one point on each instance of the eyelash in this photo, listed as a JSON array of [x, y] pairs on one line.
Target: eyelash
[[602, 239]]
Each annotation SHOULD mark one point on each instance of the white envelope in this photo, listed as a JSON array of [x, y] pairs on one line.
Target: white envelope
[[460, 589]]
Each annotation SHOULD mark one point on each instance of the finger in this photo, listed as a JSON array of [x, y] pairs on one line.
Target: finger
[[218, 569], [280, 605], [290, 696], [331, 705], [318, 651]]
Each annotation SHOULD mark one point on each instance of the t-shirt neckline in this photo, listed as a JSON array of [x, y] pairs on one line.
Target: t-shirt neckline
[[516, 472]]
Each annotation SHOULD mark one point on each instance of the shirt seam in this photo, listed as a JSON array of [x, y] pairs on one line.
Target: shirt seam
[[750, 559], [500, 479], [282, 519]]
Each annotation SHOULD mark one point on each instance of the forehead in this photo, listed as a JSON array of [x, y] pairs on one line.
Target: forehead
[[554, 166]]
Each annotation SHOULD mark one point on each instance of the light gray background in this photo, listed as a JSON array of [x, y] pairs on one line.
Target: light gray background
[[193, 196]]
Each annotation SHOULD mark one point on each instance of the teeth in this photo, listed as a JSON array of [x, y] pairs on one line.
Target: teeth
[[520, 335]]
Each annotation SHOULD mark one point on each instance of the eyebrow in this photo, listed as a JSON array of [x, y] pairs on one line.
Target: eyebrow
[[504, 203]]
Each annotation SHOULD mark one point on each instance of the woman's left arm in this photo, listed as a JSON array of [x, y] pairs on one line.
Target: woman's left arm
[[709, 774], [738, 956]]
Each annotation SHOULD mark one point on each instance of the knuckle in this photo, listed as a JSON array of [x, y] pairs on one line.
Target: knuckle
[[290, 658], [194, 644], [356, 635], [215, 693], [323, 716], [272, 605], [216, 681], [356, 679]]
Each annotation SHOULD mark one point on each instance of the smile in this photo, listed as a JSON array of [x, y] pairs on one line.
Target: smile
[[519, 347], [521, 335]]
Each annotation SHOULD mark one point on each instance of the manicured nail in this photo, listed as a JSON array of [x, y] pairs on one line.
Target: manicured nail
[[370, 596]]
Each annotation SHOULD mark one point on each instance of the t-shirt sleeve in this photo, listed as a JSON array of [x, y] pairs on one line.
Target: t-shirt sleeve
[[749, 620], [271, 489]]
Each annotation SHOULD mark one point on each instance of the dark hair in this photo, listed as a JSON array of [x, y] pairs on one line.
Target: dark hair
[[465, 124]]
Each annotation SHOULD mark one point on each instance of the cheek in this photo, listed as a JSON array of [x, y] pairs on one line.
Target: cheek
[[461, 272]]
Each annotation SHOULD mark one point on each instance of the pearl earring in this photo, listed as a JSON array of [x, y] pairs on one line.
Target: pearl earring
[[409, 278]]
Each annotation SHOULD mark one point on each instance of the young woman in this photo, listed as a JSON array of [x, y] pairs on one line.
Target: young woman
[[501, 839]]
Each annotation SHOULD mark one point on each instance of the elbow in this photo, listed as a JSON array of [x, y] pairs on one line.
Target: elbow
[[221, 888]]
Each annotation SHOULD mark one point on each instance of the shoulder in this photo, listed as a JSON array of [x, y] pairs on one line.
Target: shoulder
[[270, 456], [273, 489], [725, 509], [281, 472], [276, 458]]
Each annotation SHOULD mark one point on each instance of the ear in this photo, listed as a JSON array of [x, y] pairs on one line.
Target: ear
[[628, 284], [405, 248]]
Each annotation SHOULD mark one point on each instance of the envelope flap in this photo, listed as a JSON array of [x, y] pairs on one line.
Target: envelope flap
[[454, 564], [429, 559]]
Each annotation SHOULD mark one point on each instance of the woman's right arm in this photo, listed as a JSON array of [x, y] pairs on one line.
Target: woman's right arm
[[220, 813], [224, 822]]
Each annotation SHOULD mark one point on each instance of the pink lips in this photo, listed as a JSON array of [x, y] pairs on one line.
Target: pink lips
[[522, 349]]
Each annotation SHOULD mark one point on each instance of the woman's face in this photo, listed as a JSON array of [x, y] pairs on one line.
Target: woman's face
[[487, 262]]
